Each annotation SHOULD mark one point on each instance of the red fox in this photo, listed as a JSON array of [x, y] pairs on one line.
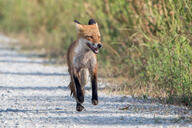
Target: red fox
[[82, 61]]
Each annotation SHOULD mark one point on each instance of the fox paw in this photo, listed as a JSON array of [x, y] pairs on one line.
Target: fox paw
[[79, 108], [94, 102]]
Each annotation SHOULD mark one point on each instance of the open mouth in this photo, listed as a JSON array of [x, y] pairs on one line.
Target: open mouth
[[95, 50]]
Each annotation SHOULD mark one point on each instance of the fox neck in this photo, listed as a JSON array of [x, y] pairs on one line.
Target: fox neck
[[81, 46]]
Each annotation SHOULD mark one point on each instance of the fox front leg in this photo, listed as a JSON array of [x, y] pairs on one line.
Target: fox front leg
[[79, 94], [94, 87]]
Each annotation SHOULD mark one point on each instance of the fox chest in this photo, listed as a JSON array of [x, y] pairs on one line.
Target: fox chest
[[87, 60]]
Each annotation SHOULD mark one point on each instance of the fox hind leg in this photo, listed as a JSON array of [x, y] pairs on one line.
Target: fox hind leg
[[84, 76], [73, 89]]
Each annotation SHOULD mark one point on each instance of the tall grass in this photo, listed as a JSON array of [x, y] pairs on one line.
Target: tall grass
[[146, 42]]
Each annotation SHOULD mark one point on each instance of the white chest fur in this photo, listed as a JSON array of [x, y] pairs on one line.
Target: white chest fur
[[84, 57]]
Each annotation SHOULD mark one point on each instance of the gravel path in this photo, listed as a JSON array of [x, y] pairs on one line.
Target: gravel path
[[34, 93]]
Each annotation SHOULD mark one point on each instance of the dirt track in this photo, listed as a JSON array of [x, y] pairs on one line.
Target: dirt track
[[34, 93]]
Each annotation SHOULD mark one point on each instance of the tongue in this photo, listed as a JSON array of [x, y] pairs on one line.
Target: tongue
[[96, 50]]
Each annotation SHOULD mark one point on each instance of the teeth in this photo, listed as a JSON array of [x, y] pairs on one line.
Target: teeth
[[95, 50]]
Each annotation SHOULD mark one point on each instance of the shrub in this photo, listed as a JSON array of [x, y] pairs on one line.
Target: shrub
[[147, 41]]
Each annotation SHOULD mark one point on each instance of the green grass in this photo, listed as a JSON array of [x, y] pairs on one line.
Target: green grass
[[147, 42]]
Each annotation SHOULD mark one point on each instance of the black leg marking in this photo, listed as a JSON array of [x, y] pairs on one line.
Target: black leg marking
[[94, 90], [79, 91]]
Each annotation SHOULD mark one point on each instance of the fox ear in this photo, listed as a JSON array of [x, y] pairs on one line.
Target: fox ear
[[78, 25], [91, 22]]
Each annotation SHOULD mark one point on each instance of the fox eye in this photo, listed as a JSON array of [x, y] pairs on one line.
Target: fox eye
[[89, 37]]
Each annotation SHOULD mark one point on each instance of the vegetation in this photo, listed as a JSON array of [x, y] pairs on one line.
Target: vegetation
[[147, 42]]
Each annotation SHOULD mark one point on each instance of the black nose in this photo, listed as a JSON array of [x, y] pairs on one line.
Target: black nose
[[99, 45]]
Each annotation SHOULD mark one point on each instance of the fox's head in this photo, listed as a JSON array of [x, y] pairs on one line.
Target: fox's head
[[90, 34]]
